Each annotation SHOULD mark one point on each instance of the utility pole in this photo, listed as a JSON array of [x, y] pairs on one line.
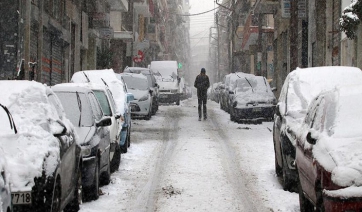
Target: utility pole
[[293, 35]]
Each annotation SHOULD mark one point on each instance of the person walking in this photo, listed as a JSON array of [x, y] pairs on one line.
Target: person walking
[[202, 83]]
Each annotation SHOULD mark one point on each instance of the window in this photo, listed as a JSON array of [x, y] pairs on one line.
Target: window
[[79, 113], [97, 111], [103, 101], [113, 104]]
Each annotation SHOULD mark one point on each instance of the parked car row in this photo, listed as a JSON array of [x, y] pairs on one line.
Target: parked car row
[[62, 142], [317, 135], [245, 97]]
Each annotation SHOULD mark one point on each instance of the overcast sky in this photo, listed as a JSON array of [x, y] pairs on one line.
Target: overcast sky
[[199, 32]]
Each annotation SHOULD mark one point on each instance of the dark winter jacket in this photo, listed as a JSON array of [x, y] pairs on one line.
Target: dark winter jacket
[[202, 82]]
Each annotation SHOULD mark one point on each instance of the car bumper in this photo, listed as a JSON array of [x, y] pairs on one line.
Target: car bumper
[[168, 97], [37, 195], [342, 203], [254, 113], [140, 108]]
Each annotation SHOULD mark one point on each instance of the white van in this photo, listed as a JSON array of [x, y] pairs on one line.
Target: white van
[[168, 80]]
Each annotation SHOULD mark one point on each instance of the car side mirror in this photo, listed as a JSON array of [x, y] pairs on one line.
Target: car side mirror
[[105, 121], [151, 91], [310, 139], [118, 116], [156, 85], [231, 92], [58, 128], [130, 97]]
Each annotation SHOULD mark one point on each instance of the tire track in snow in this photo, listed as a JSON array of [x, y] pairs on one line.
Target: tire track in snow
[[146, 200], [230, 164]]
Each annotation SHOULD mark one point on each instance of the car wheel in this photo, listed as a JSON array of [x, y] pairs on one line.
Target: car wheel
[[74, 205], [304, 204], [232, 117], [278, 169], [106, 176], [124, 147], [56, 198], [287, 182], [148, 116], [93, 191], [116, 159]]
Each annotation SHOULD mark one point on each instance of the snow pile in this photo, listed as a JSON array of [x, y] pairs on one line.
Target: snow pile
[[105, 76], [302, 85], [34, 148]]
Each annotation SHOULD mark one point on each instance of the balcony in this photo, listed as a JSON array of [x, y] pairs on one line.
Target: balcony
[[119, 5]]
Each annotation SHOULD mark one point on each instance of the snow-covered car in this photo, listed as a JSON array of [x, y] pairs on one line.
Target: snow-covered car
[[252, 99], [215, 92], [300, 87], [138, 85], [108, 105], [329, 150], [119, 93], [43, 155], [84, 111], [5, 191], [151, 81], [229, 85]]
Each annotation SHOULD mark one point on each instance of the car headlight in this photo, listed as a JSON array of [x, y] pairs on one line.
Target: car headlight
[[143, 98], [86, 151], [174, 91]]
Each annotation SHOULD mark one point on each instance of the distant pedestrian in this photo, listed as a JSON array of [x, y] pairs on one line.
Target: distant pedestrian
[[202, 83]]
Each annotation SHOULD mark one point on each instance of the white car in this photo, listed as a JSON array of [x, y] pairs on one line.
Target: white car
[[108, 106], [138, 85], [120, 94]]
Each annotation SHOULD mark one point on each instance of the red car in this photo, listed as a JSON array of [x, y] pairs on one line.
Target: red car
[[329, 152]]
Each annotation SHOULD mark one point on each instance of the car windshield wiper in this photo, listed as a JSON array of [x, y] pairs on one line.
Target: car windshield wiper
[[266, 87], [250, 84], [11, 120], [86, 76], [80, 108], [104, 82]]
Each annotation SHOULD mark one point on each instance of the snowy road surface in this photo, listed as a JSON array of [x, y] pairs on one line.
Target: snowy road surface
[[177, 163]]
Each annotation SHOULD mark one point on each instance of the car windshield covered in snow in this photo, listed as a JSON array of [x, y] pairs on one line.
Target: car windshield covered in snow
[[135, 83], [82, 115]]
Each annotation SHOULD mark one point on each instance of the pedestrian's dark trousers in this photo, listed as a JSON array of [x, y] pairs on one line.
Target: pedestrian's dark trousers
[[202, 98]]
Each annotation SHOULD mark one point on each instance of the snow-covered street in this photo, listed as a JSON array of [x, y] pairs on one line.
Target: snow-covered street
[[177, 163]]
